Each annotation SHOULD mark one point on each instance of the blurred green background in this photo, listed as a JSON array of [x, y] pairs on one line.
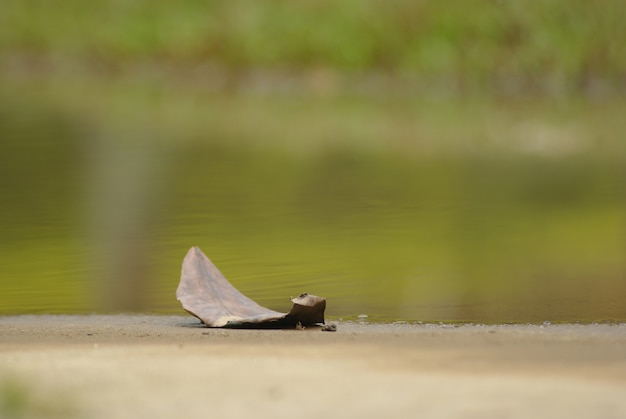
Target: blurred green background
[[408, 160]]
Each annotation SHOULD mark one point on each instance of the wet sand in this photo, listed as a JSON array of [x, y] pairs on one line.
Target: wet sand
[[135, 366]]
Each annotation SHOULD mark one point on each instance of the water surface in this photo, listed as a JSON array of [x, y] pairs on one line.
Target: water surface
[[99, 219]]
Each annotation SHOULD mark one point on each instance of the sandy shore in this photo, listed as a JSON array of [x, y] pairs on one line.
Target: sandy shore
[[134, 366]]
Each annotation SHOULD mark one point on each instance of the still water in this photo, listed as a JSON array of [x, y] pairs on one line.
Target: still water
[[100, 221]]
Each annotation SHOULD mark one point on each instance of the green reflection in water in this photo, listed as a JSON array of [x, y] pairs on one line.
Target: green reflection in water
[[100, 219]]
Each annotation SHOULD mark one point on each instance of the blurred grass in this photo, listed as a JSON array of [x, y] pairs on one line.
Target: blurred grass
[[20, 399], [460, 47]]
